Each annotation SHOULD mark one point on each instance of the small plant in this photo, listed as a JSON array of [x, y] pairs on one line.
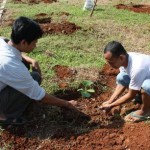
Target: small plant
[[86, 89]]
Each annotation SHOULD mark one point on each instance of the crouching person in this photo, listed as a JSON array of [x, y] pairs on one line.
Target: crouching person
[[19, 87], [134, 75]]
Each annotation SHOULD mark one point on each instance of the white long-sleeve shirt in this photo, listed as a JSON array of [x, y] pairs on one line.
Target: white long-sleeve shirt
[[13, 73]]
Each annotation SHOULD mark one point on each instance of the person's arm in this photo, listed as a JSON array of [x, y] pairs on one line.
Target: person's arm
[[127, 97], [118, 91], [52, 100], [33, 62]]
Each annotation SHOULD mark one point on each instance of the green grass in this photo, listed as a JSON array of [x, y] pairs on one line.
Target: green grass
[[83, 48]]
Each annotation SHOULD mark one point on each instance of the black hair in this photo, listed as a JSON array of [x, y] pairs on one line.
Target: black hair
[[115, 48], [25, 29]]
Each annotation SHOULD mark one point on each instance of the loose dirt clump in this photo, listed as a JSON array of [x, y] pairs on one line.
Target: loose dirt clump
[[135, 8]]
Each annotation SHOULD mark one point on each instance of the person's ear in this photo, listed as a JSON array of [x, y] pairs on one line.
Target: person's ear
[[23, 42], [122, 57]]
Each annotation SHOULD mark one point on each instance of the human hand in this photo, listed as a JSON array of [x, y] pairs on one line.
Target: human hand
[[72, 104], [106, 107], [35, 66], [105, 103]]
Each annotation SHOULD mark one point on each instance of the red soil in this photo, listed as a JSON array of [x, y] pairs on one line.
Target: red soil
[[90, 128], [135, 8], [48, 27], [64, 27]]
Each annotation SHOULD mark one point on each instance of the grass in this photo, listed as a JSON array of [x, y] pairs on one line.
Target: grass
[[83, 48]]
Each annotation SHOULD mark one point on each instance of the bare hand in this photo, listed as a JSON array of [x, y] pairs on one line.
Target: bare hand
[[105, 106], [72, 104], [105, 103], [35, 66]]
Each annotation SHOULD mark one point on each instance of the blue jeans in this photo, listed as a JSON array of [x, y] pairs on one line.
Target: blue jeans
[[124, 80]]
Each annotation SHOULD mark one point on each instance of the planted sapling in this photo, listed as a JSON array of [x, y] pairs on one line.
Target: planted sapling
[[86, 89]]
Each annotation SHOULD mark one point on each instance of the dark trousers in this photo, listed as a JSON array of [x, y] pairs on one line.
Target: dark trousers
[[12, 102]]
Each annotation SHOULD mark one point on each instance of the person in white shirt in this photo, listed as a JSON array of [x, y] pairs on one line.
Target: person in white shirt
[[134, 75], [19, 87]]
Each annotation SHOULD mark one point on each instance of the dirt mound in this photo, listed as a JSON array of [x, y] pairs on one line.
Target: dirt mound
[[49, 27], [64, 27], [135, 8], [63, 71]]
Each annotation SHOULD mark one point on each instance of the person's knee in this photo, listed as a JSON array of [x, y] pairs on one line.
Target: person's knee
[[123, 79], [146, 86], [36, 76]]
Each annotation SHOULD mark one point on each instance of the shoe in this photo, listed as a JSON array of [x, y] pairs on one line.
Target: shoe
[[13, 121], [139, 118]]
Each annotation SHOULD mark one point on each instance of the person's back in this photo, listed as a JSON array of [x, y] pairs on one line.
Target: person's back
[[139, 61], [138, 69]]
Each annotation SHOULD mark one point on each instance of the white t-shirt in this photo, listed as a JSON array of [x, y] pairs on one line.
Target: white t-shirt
[[13, 73], [138, 69]]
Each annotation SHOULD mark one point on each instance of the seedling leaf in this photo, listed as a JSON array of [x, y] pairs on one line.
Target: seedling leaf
[[85, 94], [87, 83], [80, 90], [91, 90]]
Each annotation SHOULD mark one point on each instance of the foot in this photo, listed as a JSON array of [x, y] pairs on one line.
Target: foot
[[137, 116]]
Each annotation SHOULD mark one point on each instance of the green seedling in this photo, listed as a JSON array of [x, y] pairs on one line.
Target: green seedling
[[86, 89]]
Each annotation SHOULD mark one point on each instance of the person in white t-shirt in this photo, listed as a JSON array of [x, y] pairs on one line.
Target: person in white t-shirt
[[134, 75], [19, 87]]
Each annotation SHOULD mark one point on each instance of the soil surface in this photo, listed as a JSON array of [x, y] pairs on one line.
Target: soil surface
[[53, 128], [135, 8], [49, 27]]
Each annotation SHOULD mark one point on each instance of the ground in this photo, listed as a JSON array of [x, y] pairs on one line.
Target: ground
[[89, 128]]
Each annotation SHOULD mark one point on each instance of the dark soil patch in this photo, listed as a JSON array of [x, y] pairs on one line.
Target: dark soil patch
[[135, 8], [49, 27], [89, 128], [42, 18], [68, 94], [34, 1]]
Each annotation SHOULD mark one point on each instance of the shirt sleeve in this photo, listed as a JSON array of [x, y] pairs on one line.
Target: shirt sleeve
[[17, 76], [137, 78]]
